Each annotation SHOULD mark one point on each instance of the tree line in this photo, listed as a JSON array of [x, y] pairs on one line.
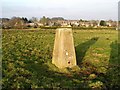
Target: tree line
[[24, 23]]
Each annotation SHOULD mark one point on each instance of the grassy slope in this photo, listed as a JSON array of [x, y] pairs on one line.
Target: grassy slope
[[27, 60]]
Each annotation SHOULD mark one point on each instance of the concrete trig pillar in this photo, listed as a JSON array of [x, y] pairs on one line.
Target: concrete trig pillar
[[64, 52]]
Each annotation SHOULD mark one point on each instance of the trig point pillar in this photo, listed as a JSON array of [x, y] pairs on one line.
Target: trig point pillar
[[64, 52]]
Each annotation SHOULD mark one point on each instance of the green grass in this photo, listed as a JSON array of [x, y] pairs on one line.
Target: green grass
[[27, 56]]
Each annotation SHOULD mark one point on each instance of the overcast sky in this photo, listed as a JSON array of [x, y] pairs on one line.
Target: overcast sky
[[69, 9]]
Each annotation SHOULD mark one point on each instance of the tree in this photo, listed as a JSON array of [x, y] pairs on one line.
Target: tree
[[80, 20], [44, 20], [34, 20], [25, 19], [56, 24], [57, 18], [16, 22], [5, 23], [102, 23]]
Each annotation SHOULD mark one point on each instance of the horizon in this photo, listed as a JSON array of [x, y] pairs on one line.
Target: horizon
[[68, 9], [58, 17]]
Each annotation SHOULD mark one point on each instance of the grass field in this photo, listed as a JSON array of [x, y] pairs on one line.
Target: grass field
[[27, 55]]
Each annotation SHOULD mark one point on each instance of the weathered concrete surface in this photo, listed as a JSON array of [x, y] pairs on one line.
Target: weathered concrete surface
[[64, 52]]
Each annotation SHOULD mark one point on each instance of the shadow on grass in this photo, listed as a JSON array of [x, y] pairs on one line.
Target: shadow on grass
[[114, 56], [81, 49], [113, 73], [45, 78], [42, 76]]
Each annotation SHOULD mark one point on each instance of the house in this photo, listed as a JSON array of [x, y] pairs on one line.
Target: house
[[111, 23], [51, 24], [30, 24], [40, 24]]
